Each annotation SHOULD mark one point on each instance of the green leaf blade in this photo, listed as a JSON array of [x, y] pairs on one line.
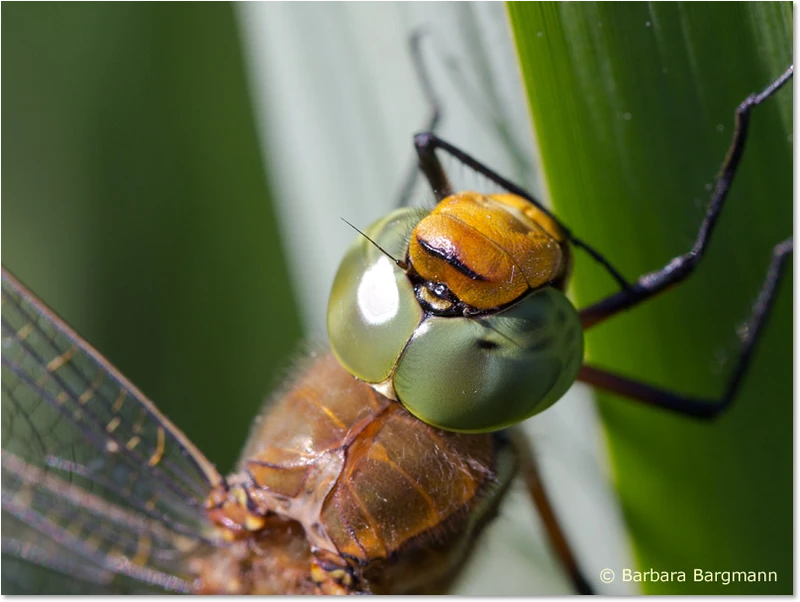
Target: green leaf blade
[[633, 112]]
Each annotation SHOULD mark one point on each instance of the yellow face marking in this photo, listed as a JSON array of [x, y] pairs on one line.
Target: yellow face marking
[[62, 397], [89, 393], [133, 442], [120, 400], [62, 359], [113, 424], [23, 332], [156, 457], [150, 504], [143, 545]]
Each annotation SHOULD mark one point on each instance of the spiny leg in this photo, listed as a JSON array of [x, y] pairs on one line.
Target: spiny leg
[[750, 335], [529, 469], [680, 267]]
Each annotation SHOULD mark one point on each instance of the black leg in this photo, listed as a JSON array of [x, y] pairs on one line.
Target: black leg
[[679, 268], [529, 470], [750, 335]]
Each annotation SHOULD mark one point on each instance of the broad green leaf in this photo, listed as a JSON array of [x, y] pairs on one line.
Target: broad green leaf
[[633, 109]]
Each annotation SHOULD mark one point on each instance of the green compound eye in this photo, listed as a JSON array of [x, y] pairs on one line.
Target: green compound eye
[[477, 375], [372, 310]]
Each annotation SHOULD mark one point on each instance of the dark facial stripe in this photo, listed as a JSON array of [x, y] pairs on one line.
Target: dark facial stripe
[[451, 259]]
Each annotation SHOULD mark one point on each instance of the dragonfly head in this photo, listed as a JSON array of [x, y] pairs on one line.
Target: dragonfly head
[[489, 250], [476, 333]]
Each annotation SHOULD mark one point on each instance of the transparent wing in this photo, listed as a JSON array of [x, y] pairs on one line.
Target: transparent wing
[[96, 482]]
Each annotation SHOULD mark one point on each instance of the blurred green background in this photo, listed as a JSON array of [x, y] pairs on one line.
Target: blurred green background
[[135, 203]]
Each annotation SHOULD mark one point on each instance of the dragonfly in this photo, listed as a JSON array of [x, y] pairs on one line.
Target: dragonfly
[[348, 485]]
